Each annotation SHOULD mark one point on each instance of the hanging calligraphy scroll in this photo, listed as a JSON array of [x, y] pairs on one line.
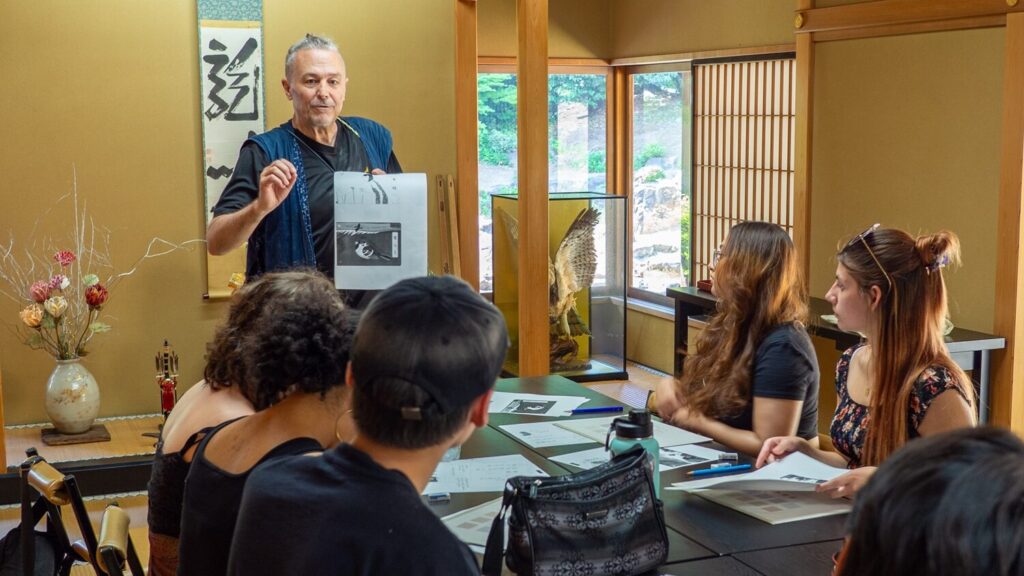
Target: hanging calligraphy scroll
[[231, 105]]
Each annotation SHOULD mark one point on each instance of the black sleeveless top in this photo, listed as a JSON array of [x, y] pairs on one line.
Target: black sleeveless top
[[210, 510], [166, 486]]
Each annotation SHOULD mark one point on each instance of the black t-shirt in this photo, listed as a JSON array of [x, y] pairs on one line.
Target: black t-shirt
[[319, 162], [210, 508], [785, 367], [340, 514]]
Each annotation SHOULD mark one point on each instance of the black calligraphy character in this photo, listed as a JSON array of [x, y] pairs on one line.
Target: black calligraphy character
[[233, 69]]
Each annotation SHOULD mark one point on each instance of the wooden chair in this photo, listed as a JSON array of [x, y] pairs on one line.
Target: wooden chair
[[50, 490], [115, 545]]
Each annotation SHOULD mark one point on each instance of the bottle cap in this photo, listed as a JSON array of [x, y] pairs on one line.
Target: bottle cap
[[636, 424]]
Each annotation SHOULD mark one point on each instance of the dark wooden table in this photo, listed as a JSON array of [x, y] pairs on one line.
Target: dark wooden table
[[971, 350], [714, 539]]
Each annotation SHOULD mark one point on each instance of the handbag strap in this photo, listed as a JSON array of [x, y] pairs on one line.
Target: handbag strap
[[495, 549]]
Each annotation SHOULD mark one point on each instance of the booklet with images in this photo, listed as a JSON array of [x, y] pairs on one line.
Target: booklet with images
[[795, 473], [780, 492]]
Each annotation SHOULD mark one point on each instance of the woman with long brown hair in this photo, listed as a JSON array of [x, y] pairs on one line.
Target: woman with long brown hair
[[901, 383], [754, 373]]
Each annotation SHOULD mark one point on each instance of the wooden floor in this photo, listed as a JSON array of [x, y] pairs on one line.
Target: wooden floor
[[127, 439]]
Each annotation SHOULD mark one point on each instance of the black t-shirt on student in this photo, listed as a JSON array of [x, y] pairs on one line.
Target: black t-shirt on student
[[340, 514], [785, 367], [319, 162]]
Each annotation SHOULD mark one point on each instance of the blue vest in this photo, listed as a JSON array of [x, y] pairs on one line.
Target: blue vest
[[284, 238]]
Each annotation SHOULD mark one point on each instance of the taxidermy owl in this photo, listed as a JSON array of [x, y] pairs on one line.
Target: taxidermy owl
[[571, 271]]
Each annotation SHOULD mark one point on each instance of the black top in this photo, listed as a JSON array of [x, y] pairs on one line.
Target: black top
[[785, 367], [340, 514], [319, 162], [166, 487], [210, 509]]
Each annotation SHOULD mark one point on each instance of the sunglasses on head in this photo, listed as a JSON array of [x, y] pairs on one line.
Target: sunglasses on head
[[862, 238]]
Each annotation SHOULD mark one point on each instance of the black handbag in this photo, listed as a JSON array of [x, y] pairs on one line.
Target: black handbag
[[602, 521]]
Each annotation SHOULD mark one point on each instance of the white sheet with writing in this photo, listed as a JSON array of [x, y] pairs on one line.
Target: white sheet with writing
[[480, 474], [669, 457], [597, 429], [544, 434]]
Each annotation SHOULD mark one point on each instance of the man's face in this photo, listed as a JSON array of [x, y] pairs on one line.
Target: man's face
[[316, 87]]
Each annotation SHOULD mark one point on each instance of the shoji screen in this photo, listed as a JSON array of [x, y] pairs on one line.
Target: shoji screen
[[742, 150]]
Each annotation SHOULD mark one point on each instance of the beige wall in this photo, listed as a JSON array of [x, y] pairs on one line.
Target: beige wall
[[113, 89], [906, 133], [650, 27], [576, 28]]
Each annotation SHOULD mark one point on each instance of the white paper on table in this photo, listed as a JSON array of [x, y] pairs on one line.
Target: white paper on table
[[669, 458], [474, 524], [776, 507], [480, 474], [544, 434], [534, 404], [795, 473], [597, 429]]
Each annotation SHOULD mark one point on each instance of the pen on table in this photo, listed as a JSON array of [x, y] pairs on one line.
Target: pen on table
[[720, 470], [439, 497], [596, 410]]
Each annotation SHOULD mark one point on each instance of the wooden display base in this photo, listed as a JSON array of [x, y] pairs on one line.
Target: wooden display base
[[98, 433]]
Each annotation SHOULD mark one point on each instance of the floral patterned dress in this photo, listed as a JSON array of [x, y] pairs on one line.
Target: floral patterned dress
[[850, 423]]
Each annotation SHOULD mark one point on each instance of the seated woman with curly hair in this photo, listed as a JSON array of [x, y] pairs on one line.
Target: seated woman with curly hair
[[296, 355], [754, 373]]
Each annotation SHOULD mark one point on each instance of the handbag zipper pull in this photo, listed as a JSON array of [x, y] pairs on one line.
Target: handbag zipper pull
[[533, 488]]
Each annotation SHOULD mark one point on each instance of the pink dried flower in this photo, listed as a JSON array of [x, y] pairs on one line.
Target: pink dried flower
[[59, 282], [40, 291], [96, 295], [64, 257]]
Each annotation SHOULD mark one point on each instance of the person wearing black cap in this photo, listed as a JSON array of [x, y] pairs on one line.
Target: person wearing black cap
[[426, 355]]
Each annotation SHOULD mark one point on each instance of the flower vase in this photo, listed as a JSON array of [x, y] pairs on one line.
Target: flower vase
[[72, 397]]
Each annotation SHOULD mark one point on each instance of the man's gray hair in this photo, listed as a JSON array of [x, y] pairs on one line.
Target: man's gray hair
[[310, 42]]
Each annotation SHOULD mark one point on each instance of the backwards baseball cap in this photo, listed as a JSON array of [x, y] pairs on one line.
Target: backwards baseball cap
[[436, 334]]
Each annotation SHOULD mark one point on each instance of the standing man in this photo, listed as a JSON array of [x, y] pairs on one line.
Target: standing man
[[281, 194]]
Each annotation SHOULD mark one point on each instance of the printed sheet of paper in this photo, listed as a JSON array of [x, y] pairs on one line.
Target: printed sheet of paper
[[778, 507], [380, 229], [480, 474], [535, 404], [474, 524], [669, 458], [597, 428], [795, 473], [544, 434]]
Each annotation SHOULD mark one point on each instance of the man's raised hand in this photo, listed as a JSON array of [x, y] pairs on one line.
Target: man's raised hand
[[276, 182]]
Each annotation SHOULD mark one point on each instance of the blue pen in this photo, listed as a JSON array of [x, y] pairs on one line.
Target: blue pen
[[597, 410], [721, 470]]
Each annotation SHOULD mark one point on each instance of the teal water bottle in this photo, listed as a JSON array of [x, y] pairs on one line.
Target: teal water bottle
[[634, 429]]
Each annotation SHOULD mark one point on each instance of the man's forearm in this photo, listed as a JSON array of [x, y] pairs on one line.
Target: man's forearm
[[228, 231]]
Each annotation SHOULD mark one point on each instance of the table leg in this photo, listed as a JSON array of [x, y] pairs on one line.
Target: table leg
[[982, 361]]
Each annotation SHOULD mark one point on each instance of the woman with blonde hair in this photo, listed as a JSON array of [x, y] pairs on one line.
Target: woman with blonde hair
[[901, 383], [754, 373]]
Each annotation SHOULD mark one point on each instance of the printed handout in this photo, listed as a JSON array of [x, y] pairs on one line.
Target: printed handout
[[597, 429], [669, 457], [534, 404], [544, 434], [795, 473], [480, 474]]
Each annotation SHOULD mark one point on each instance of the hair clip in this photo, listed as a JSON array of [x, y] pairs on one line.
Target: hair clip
[[938, 263]]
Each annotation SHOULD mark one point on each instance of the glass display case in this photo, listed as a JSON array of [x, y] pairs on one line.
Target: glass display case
[[586, 282]]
